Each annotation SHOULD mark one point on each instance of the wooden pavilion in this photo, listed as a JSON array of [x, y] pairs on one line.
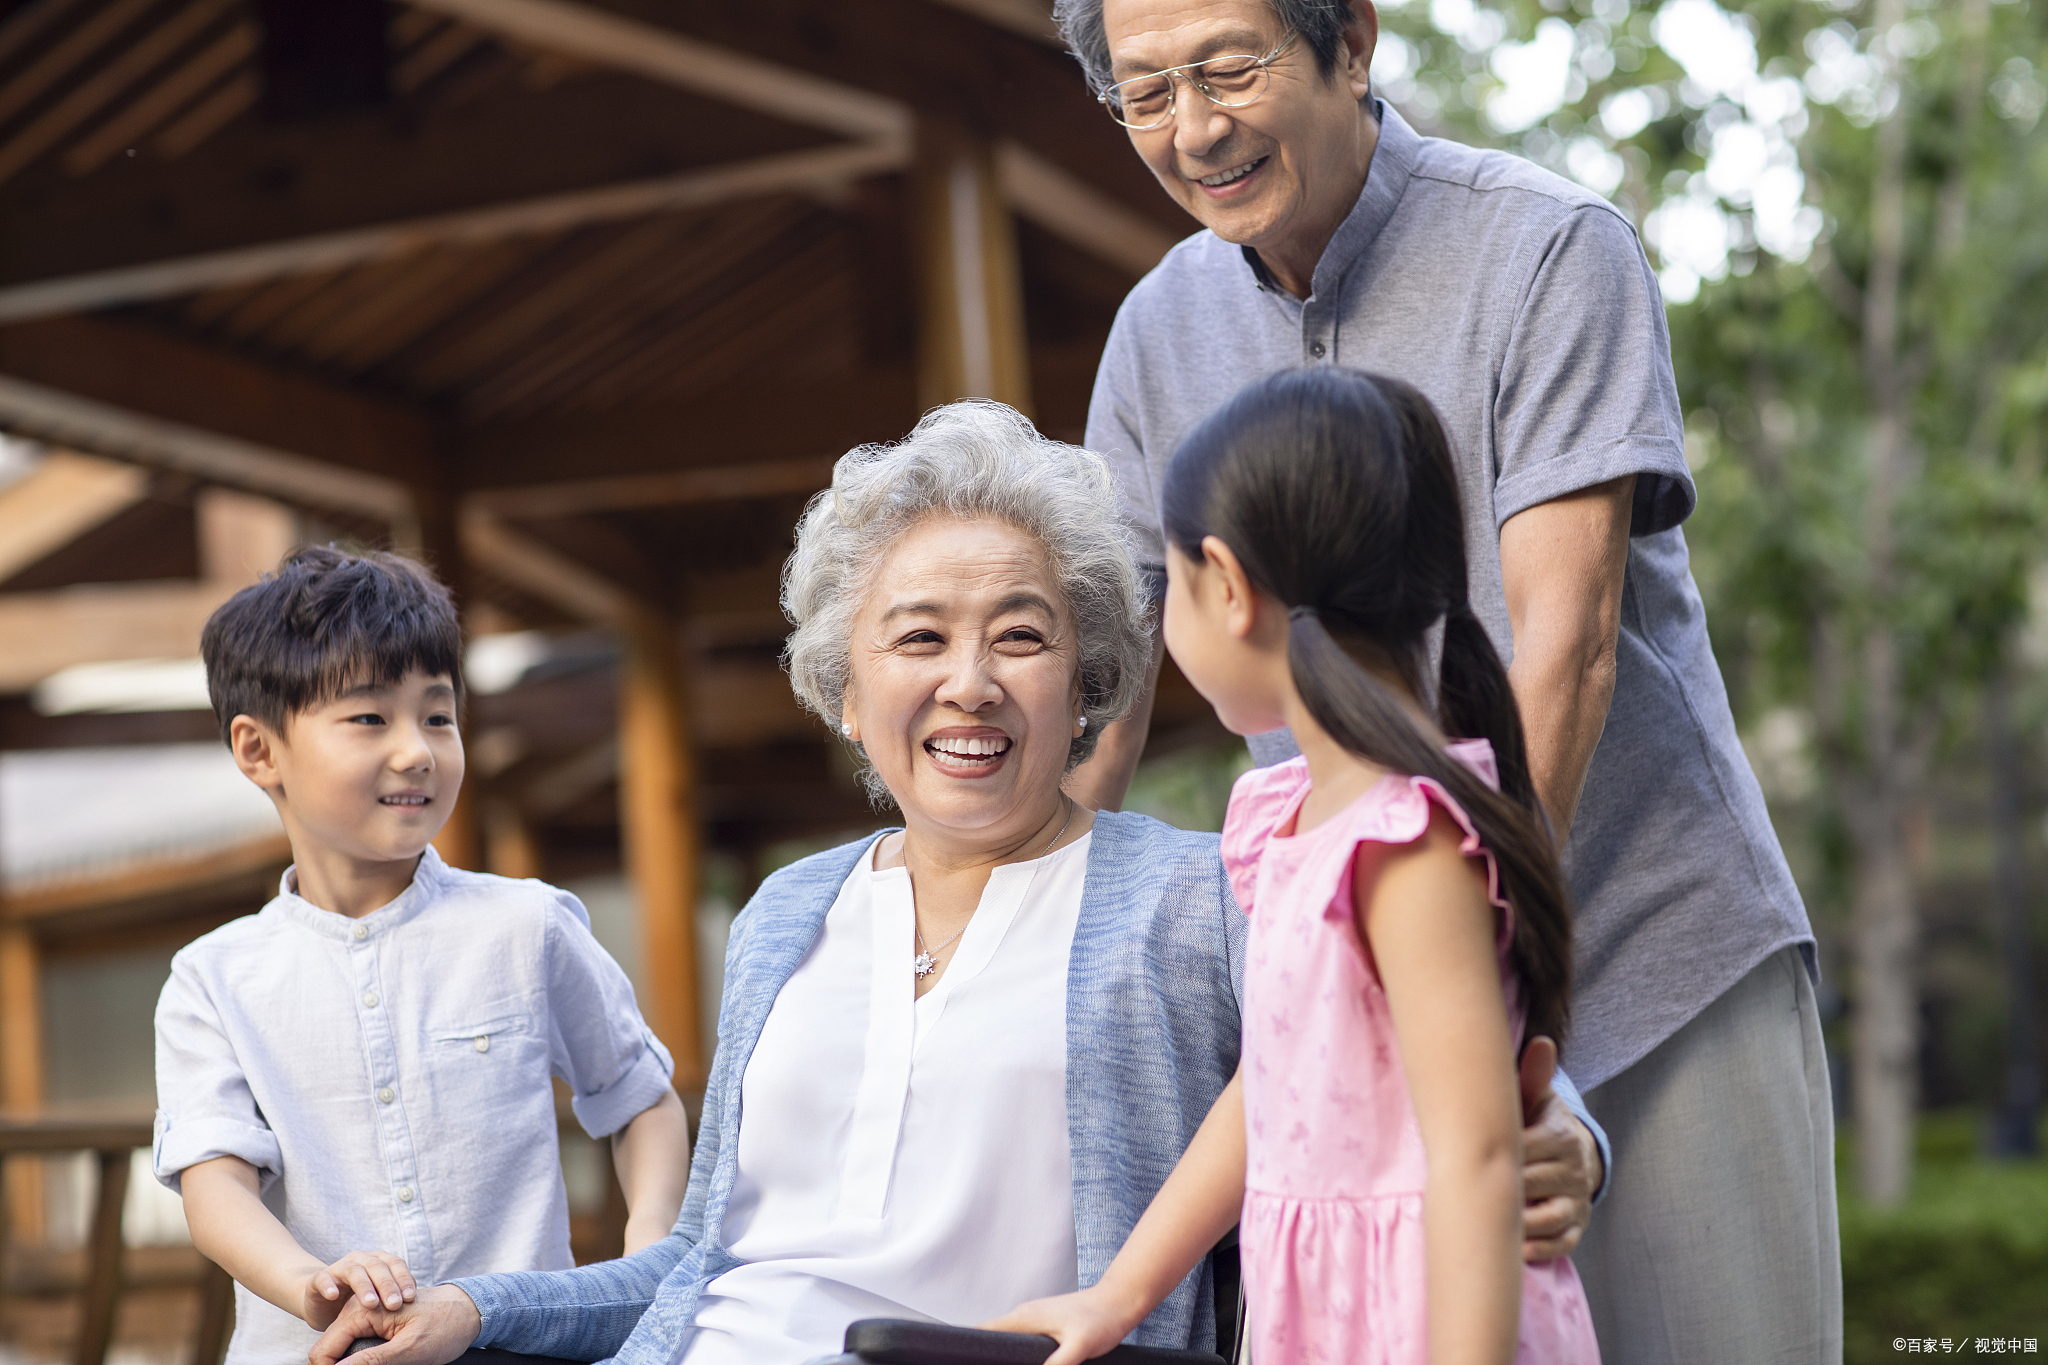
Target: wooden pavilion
[[577, 298]]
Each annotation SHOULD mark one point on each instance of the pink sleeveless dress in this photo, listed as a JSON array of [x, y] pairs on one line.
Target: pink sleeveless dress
[[1332, 1231]]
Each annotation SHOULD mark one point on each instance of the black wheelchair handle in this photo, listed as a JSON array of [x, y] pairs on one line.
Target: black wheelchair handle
[[895, 1341]]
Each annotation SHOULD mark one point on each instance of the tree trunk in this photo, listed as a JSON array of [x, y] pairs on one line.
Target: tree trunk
[[2015, 1131], [1884, 935], [1884, 917]]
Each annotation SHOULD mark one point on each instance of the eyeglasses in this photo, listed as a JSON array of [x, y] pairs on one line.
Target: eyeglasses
[[1145, 102]]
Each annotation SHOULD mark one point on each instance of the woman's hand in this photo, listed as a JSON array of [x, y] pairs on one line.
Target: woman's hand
[[1086, 1324], [437, 1327], [377, 1278]]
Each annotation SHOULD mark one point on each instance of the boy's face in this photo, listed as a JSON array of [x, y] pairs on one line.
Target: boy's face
[[370, 776]]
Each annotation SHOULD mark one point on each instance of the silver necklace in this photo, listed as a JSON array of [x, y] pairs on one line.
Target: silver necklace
[[926, 961]]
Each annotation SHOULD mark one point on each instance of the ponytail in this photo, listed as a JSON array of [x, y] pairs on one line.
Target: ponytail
[[1475, 700], [1358, 711], [1336, 492]]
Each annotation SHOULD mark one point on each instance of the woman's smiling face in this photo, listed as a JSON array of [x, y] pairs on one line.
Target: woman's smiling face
[[964, 680]]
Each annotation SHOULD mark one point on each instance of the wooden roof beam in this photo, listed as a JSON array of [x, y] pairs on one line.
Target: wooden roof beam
[[984, 75], [47, 632], [259, 182], [626, 43], [822, 167], [59, 500], [135, 394]]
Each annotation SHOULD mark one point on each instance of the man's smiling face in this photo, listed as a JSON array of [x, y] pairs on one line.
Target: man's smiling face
[[1277, 175]]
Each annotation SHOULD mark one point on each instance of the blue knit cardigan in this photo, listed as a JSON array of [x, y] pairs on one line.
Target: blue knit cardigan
[[1153, 985]]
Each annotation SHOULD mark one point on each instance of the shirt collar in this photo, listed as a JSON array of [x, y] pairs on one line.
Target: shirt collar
[[1386, 180], [427, 882]]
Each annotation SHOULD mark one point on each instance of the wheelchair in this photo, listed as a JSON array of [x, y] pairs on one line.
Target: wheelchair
[[894, 1341]]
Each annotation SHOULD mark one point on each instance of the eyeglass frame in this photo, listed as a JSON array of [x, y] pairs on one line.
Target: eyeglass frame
[[1264, 63]]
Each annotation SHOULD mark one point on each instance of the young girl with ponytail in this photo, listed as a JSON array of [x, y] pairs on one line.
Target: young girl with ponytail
[[1409, 925]]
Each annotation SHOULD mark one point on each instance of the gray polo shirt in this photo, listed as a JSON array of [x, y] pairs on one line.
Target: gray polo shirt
[[1524, 308]]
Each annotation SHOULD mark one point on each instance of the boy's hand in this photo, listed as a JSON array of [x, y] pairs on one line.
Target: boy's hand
[[378, 1278], [1086, 1325]]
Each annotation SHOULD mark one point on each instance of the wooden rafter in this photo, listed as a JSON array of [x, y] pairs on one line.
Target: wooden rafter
[[58, 501], [50, 631], [1050, 196], [476, 227], [155, 879], [760, 479], [58, 416], [626, 43], [134, 394]]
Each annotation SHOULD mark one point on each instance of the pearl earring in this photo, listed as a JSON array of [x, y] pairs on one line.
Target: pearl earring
[[1081, 721], [846, 729]]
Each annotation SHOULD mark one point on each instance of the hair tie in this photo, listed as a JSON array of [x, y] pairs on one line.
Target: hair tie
[[1302, 613]]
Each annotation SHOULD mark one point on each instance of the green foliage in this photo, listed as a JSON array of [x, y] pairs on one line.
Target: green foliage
[[1190, 788], [1696, 119], [1965, 1257]]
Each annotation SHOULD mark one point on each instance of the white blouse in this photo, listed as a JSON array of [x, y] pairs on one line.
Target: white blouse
[[904, 1157]]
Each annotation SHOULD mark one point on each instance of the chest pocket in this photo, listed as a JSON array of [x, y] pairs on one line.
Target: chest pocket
[[496, 1027], [492, 1059]]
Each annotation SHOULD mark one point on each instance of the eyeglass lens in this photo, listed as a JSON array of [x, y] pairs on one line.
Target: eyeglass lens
[[1146, 102]]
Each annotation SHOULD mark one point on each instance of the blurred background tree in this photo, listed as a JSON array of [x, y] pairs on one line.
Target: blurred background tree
[[1847, 204]]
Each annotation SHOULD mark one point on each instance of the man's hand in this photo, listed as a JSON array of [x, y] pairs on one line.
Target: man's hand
[[437, 1327], [1560, 1162], [377, 1278]]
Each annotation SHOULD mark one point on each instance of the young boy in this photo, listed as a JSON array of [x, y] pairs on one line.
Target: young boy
[[365, 1064]]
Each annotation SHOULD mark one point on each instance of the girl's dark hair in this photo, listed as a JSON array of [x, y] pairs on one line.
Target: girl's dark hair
[[329, 619], [1335, 491]]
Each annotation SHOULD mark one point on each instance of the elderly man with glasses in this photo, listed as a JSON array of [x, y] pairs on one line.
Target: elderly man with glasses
[[1523, 307]]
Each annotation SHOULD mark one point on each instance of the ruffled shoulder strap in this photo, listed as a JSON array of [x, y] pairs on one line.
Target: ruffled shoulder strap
[[1261, 801], [1397, 812]]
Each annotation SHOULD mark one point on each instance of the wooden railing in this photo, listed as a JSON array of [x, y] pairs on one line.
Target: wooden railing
[[113, 1141]]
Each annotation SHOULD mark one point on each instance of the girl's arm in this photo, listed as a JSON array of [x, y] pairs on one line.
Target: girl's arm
[[652, 1157], [1194, 1208], [233, 1228], [1431, 932]]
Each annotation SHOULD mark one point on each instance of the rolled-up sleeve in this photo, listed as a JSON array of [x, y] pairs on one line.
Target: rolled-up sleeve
[[615, 1067], [1586, 388], [205, 1108]]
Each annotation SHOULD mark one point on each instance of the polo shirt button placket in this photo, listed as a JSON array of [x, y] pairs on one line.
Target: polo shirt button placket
[[1317, 350]]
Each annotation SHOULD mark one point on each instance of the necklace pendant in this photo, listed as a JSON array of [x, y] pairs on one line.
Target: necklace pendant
[[924, 964]]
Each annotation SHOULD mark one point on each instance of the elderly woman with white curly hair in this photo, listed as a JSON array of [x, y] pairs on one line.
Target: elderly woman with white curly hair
[[957, 1059]]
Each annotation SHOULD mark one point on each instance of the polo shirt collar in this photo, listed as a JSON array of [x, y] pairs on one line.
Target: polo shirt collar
[[427, 881], [1386, 180]]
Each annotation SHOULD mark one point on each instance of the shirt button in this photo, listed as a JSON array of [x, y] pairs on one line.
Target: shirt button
[[483, 1043], [405, 1194], [1316, 348], [370, 999], [386, 1095], [362, 931]]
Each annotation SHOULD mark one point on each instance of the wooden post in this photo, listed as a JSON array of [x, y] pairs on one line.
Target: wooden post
[[241, 536], [21, 1072], [971, 340], [216, 1316], [658, 822], [512, 851], [103, 1260], [435, 538]]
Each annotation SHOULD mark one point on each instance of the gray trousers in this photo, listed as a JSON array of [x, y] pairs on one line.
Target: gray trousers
[[1716, 1243]]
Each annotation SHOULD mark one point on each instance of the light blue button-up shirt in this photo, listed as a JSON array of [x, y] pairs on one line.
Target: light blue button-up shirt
[[390, 1075]]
